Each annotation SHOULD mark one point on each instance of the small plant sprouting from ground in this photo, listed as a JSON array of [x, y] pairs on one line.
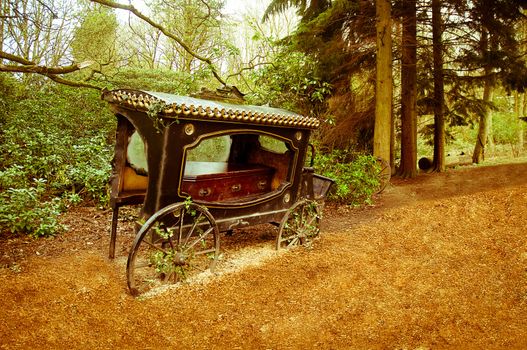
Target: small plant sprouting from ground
[[163, 260], [174, 257]]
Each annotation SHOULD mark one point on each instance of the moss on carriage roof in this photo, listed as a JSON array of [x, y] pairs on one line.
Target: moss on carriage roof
[[174, 106]]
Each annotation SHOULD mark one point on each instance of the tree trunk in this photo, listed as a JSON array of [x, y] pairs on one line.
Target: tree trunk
[[4, 12], [439, 89], [484, 126], [481, 142], [519, 105], [384, 82], [409, 92], [521, 132]]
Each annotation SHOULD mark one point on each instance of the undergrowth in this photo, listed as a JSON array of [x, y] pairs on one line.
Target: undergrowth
[[55, 151], [356, 180]]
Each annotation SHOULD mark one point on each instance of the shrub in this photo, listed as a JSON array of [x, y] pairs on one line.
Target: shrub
[[355, 181], [23, 210], [505, 128], [60, 136], [67, 163]]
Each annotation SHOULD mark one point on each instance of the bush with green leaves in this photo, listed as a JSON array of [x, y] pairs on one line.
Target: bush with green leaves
[[24, 210], [355, 180], [61, 136], [160, 80], [506, 128], [291, 83]]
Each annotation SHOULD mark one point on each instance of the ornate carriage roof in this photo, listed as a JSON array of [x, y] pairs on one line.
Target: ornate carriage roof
[[174, 106]]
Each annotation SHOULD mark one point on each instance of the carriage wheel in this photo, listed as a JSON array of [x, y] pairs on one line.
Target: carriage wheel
[[384, 174], [176, 242], [300, 225]]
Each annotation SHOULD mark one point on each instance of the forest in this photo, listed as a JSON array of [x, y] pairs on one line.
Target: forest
[[404, 80]]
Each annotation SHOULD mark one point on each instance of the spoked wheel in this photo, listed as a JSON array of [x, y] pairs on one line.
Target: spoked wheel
[[384, 174], [178, 241], [300, 225]]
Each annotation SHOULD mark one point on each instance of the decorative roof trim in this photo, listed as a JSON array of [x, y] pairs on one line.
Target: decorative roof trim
[[194, 108]]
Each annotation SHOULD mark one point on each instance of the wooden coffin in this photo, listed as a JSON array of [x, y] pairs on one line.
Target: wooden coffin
[[213, 181], [219, 181]]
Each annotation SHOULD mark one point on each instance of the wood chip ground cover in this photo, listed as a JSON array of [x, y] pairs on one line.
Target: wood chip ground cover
[[439, 262]]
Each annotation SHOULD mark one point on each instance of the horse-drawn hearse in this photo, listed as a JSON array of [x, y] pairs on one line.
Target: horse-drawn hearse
[[201, 167]]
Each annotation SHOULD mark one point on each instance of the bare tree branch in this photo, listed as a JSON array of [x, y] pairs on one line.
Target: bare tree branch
[[250, 67], [26, 66], [163, 30], [31, 67], [15, 58], [72, 83]]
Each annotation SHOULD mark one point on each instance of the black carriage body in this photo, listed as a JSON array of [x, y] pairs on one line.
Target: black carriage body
[[251, 185]]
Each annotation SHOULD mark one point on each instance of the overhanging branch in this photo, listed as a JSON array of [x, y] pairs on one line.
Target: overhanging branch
[[252, 66], [26, 66], [72, 83], [15, 58]]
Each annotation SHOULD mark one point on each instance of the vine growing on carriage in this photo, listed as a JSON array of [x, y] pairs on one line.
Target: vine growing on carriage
[[154, 109]]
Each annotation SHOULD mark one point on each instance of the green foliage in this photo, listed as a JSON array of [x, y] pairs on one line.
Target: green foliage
[[8, 88], [355, 181], [290, 83], [153, 113], [161, 80], [505, 128], [24, 210], [95, 38], [63, 138]]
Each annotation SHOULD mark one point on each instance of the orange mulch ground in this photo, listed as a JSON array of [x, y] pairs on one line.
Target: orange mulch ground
[[439, 262]]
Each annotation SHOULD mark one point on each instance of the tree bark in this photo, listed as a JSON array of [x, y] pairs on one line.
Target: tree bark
[[408, 166], [519, 103], [484, 121], [484, 126], [384, 82], [3, 12], [439, 88]]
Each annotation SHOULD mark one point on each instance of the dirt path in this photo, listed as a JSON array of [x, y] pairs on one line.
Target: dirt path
[[439, 262]]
